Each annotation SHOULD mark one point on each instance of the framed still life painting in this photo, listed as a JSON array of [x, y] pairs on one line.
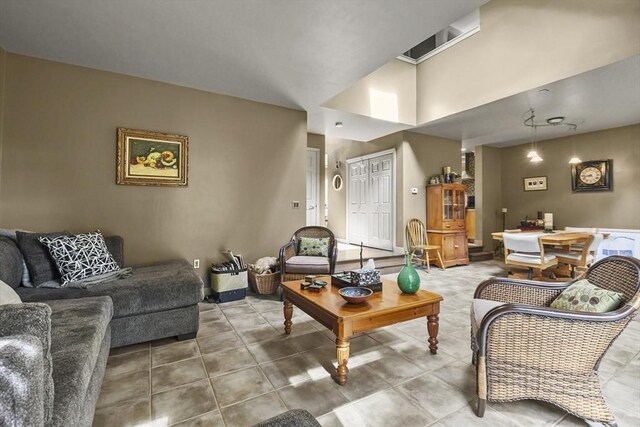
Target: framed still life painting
[[151, 158]]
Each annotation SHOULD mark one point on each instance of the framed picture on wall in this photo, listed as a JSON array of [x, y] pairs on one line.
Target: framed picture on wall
[[151, 158], [535, 183], [592, 175]]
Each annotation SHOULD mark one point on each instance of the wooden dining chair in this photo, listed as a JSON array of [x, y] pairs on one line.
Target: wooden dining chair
[[581, 255], [419, 243]]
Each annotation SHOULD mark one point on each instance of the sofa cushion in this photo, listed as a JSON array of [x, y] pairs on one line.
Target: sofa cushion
[[308, 265], [479, 309], [41, 266], [11, 261], [81, 256], [153, 288], [78, 327]]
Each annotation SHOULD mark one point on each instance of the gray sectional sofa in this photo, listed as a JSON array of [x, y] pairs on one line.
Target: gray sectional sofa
[[54, 346]]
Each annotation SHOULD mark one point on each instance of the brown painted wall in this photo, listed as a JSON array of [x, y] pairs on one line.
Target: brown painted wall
[[612, 209], [488, 193], [246, 163]]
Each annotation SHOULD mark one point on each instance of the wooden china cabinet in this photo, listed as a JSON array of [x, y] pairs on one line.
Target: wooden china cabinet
[[446, 222]]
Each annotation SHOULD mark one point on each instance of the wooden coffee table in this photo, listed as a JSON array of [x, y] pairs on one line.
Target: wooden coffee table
[[381, 309]]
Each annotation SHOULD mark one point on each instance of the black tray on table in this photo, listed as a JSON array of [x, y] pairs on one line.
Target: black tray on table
[[344, 280]]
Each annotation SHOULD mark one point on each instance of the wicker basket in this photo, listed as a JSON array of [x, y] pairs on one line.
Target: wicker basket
[[264, 284]]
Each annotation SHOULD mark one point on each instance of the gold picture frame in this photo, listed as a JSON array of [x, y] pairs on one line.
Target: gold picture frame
[[535, 183], [151, 158]]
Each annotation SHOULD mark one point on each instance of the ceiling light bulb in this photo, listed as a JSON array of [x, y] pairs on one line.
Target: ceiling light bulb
[[575, 160], [532, 154], [536, 159], [339, 124], [555, 120]]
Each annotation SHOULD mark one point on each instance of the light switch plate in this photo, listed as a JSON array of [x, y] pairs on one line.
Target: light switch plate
[[196, 263], [414, 190]]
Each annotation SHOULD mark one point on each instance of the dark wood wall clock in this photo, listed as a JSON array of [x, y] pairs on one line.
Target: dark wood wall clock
[[592, 175]]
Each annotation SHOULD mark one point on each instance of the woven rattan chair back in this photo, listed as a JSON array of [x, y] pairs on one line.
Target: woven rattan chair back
[[616, 273], [315, 232]]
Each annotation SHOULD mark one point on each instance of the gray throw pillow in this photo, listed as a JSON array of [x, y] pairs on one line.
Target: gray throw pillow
[[11, 234], [10, 262], [41, 266]]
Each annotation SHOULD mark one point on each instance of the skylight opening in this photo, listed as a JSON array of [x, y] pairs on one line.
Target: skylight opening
[[447, 37]]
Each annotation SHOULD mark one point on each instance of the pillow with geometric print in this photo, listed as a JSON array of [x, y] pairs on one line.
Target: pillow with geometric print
[[310, 246], [81, 256], [585, 296]]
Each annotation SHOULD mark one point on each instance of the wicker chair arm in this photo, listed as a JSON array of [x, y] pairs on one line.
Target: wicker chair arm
[[286, 252], [552, 326], [515, 291]]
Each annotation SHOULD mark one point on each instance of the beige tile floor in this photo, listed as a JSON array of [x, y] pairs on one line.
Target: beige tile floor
[[241, 369]]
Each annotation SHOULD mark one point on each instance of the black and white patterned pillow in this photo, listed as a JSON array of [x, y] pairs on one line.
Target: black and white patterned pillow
[[80, 256]]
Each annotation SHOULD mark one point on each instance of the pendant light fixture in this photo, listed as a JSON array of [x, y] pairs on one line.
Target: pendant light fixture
[[575, 159], [552, 121]]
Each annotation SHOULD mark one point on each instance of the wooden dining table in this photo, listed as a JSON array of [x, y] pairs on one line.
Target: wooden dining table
[[562, 239]]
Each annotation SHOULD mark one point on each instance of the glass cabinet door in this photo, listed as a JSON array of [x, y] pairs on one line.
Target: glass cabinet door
[[447, 204]]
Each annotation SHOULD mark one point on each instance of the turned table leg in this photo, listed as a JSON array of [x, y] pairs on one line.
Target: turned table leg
[[288, 313], [342, 350], [432, 326]]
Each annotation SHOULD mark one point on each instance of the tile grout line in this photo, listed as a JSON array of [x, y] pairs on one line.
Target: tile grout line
[[206, 373]]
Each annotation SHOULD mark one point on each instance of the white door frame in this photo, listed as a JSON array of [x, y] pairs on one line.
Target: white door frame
[[393, 186], [317, 208]]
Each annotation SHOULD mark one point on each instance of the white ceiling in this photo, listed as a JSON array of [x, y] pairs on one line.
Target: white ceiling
[[296, 54], [603, 98]]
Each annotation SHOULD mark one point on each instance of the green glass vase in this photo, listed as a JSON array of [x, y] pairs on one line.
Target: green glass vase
[[408, 278]]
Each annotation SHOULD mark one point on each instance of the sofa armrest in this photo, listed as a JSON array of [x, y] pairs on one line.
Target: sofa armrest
[[21, 381], [33, 320], [115, 244], [292, 418]]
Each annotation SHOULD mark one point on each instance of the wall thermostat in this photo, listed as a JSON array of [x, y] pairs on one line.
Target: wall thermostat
[[414, 190]]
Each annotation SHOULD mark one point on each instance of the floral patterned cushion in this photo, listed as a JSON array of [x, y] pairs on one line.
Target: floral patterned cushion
[[585, 296], [310, 246]]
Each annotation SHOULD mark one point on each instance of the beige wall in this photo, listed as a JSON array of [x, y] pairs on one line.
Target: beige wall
[[344, 149], [317, 141], [488, 193], [612, 209], [424, 156], [523, 44], [396, 78], [3, 61], [246, 163], [417, 158]]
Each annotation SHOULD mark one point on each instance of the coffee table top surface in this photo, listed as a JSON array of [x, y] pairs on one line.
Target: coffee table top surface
[[387, 301]]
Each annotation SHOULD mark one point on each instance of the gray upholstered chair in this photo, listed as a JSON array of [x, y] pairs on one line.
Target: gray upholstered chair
[[295, 266], [522, 349]]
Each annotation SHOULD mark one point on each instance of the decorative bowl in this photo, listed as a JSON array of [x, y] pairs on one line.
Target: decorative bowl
[[355, 294]]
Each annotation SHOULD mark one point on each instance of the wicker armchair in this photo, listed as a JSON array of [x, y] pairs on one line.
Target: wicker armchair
[[525, 350], [295, 267]]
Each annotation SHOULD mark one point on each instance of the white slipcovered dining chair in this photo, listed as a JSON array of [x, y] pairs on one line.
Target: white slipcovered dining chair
[[526, 250]]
